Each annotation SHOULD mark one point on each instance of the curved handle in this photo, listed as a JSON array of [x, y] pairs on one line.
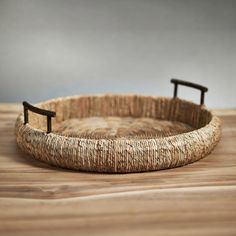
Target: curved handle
[[176, 82], [40, 111]]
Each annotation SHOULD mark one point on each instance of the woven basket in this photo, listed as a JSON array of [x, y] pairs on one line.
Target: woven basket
[[118, 133]]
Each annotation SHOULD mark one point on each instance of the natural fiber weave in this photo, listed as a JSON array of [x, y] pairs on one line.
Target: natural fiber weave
[[120, 133]]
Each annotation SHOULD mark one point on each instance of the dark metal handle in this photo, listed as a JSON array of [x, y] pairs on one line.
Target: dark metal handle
[[176, 82], [40, 111]]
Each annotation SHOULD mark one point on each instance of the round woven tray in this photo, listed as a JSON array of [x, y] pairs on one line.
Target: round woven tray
[[118, 133]]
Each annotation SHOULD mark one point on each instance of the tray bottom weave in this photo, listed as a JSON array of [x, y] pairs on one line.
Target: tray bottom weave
[[120, 127]]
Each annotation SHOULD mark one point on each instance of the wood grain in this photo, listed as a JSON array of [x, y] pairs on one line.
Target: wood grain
[[38, 199]]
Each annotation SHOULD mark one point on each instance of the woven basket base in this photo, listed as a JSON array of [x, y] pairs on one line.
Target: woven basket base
[[120, 127]]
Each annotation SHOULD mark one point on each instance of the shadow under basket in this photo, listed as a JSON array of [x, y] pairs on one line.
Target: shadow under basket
[[118, 133]]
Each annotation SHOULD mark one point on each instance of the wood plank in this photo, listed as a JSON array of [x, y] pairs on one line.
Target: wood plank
[[36, 198], [195, 209]]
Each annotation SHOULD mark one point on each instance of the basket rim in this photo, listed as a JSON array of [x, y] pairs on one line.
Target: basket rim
[[214, 120]]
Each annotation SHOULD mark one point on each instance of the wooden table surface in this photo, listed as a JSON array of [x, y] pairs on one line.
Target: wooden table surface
[[38, 199]]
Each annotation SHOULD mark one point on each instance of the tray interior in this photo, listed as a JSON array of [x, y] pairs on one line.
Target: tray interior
[[120, 127], [121, 116]]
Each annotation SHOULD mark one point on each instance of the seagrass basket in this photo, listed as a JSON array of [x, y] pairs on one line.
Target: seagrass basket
[[118, 133]]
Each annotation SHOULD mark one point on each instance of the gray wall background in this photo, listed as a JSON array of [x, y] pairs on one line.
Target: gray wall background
[[51, 48]]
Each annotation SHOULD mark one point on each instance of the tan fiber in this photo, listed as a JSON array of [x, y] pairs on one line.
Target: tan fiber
[[112, 127], [120, 133]]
